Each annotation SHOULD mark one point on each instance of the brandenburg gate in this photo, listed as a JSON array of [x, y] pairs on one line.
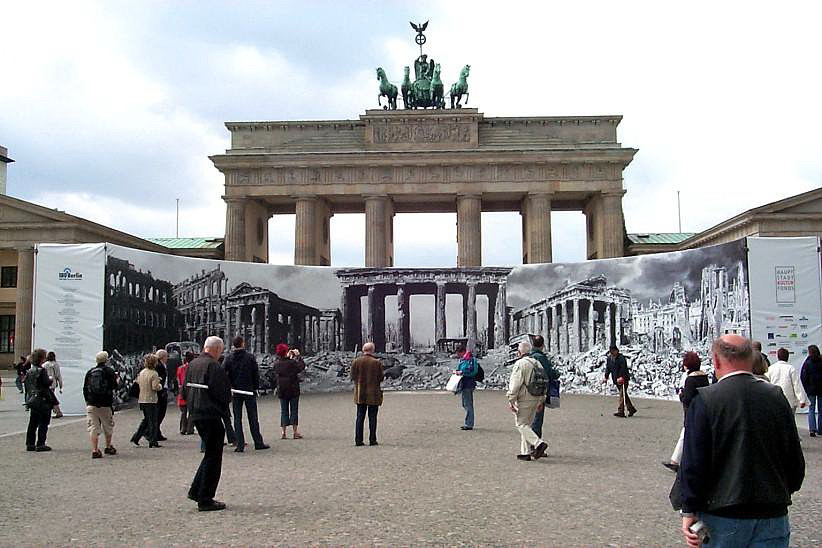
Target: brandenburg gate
[[432, 160]]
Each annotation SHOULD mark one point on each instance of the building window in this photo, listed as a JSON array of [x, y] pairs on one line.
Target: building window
[[8, 276], [6, 334]]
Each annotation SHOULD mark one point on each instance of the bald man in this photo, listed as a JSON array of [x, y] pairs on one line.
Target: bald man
[[741, 459], [367, 374], [208, 406]]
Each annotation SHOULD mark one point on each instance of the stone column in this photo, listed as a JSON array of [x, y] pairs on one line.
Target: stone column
[[536, 224], [472, 316], [613, 226], [372, 304], [235, 229], [500, 332], [591, 326], [492, 312], [548, 327], [564, 331], [439, 320], [24, 302], [403, 319], [266, 329], [306, 246], [608, 332], [618, 327], [556, 311], [379, 224], [469, 230], [577, 325]]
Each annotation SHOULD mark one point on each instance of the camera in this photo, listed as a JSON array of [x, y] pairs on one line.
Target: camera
[[701, 530]]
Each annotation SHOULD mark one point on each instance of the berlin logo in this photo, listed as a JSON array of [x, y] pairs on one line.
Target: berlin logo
[[67, 274]]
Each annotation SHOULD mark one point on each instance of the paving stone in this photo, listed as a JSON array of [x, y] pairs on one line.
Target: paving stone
[[426, 483]]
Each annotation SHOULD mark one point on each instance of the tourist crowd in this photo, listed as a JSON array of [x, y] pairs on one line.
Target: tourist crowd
[[737, 458]]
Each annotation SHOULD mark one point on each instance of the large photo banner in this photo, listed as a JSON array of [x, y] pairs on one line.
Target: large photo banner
[[68, 313], [654, 307], [786, 300]]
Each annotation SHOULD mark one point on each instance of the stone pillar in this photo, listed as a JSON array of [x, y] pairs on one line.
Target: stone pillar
[[490, 331], [577, 325], [536, 228], [352, 319], [379, 231], [306, 246], [556, 310], [469, 230], [608, 332], [548, 328], [403, 319], [613, 225], [500, 332], [591, 326], [472, 316], [24, 301], [439, 320], [235, 249], [266, 329], [618, 326], [372, 305], [564, 330]]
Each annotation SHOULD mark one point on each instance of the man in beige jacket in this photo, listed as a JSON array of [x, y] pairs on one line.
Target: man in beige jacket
[[524, 405]]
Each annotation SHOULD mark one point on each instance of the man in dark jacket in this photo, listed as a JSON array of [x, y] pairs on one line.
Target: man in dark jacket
[[39, 400], [208, 403], [741, 459], [617, 367], [98, 391], [538, 353], [244, 376]]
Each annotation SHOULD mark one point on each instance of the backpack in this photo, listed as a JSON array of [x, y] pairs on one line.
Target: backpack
[[480, 376], [537, 384], [97, 384]]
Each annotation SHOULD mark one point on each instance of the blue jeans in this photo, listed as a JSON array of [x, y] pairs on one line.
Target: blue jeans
[[253, 421], [734, 532], [814, 421], [289, 412], [468, 405]]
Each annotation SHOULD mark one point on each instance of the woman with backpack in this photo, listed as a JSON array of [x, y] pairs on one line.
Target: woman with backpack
[[53, 369], [467, 368]]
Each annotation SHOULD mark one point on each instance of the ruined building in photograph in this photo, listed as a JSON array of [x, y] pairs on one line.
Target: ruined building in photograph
[[589, 314], [578, 317], [376, 284], [201, 302], [722, 307], [139, 310], [265, 320]]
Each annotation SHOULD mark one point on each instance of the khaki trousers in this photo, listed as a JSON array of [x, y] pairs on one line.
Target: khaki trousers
[[524, 417], [625, 399]]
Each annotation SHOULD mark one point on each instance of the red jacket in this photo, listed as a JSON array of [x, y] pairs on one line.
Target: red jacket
[[181, 379]]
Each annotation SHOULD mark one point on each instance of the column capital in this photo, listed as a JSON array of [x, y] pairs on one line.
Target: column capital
[[540, 194], [614, 193], [235, 199], [477, 195], [376, 197]]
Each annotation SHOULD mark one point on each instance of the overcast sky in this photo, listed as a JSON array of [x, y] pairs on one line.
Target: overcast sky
[[110, 109]]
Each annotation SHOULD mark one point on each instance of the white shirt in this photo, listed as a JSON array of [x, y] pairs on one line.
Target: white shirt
[[784, 375]]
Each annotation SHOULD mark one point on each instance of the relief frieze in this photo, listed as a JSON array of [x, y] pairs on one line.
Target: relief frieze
[[421, 134]]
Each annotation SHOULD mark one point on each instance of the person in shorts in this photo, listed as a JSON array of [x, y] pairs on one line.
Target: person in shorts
[[98, 391]]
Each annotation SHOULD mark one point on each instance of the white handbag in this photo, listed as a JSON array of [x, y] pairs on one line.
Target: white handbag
[[454, 383]]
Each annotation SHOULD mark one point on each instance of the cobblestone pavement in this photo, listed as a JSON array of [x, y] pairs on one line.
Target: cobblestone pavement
[[427, 483]]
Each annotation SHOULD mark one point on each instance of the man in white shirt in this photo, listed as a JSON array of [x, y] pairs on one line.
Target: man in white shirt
[[784, 375]]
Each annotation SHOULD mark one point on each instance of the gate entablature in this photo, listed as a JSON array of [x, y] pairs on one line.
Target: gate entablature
[[452, 160]]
